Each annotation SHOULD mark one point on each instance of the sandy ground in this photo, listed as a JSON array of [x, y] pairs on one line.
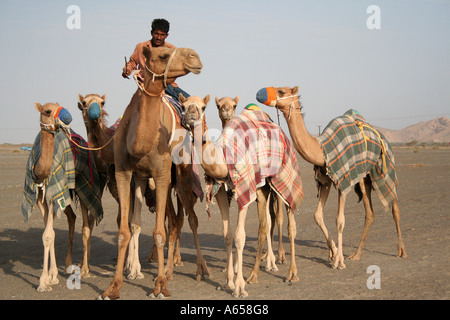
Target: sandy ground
[[424, 201]]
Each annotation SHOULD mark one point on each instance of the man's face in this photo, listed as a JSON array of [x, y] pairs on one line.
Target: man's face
[[158, 38]]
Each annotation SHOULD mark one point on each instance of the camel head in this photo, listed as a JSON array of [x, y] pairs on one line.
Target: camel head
[[91, 107], [194, 109], [171, 63], [53, 116], [277, 97], [226, 107]]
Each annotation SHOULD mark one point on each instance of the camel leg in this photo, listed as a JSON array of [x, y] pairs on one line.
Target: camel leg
[[172, 236], [123, 179], [88, 223], [324, 191], [133, 266], [222, 202], [202, 268], [180, 221], [292, 231], [340, 223], [71, 218], [262, 232], [396, 216], [162, 182], [239, 240], [49, 276], [366, 190], [279, 219]]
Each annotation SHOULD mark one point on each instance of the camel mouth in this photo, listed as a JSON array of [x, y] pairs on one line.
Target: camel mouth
[[194, 69]]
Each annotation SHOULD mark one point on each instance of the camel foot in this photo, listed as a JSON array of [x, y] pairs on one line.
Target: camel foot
[[402, 253], [178, 263], [135, 275], [339, 263], [356, 256], [292, 278], [253, 278], [203, 271], [44, 288], [271, 264], [239, 291], [160, 290], [113, 292]]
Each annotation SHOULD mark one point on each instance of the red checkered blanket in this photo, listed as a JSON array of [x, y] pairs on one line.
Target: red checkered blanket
[[257, 151]]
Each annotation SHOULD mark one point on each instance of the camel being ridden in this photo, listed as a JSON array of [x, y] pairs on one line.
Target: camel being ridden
[[142, 146], [366, 152], [57, 173], [213, 161], [226, 107]]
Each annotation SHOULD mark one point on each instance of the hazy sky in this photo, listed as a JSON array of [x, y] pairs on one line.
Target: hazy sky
[[394, 76]]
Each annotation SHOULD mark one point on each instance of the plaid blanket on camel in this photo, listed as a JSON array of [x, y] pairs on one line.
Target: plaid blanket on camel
[[72, 169], [353, 149], [256, 150]]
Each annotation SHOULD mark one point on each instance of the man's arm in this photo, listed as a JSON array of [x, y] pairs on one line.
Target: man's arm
[[132, 64]]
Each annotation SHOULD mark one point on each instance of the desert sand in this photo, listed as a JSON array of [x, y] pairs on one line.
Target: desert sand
[[424, 200]]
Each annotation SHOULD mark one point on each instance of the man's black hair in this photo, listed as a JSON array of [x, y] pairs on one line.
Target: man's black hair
[[160, 24]]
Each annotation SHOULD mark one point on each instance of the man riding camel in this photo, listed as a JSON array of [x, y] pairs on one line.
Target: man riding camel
[[159, 32]]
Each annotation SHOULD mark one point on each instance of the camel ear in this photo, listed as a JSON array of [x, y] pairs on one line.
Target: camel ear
[[181, 98], [217, 102], [147, 53], [80, 97], [295, 90], [206, 100], [103, 97], [38, 106], [236, 100]]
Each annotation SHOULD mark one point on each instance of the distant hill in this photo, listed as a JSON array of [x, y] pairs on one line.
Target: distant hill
[[436, 130]]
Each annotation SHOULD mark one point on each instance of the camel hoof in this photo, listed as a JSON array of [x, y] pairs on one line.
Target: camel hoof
[[159, 296], [44, 289], [101, 298]]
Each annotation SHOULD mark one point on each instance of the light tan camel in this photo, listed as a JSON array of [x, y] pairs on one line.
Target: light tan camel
[[42, 171], [226, 107], [142, 146], [286, 99], [213, 162]]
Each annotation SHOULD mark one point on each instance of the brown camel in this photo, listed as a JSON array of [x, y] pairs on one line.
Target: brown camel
[[141, 146], [44, 175], [213, 162], [99, 135], [226, 107], [287, 100], [100, 138]]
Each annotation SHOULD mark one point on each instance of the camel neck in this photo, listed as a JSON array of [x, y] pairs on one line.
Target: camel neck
[[306, 145], [45, 161]]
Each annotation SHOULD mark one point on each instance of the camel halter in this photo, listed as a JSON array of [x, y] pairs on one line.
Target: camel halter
[[87, 109], [166, 71]]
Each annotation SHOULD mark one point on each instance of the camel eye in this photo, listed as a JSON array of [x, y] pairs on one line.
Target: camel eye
[[48, 112], [164, 56]]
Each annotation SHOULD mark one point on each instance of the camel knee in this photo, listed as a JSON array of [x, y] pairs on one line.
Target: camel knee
[[160, 239], [48, 238], [123, 239], [318, 218], [239, 240]]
